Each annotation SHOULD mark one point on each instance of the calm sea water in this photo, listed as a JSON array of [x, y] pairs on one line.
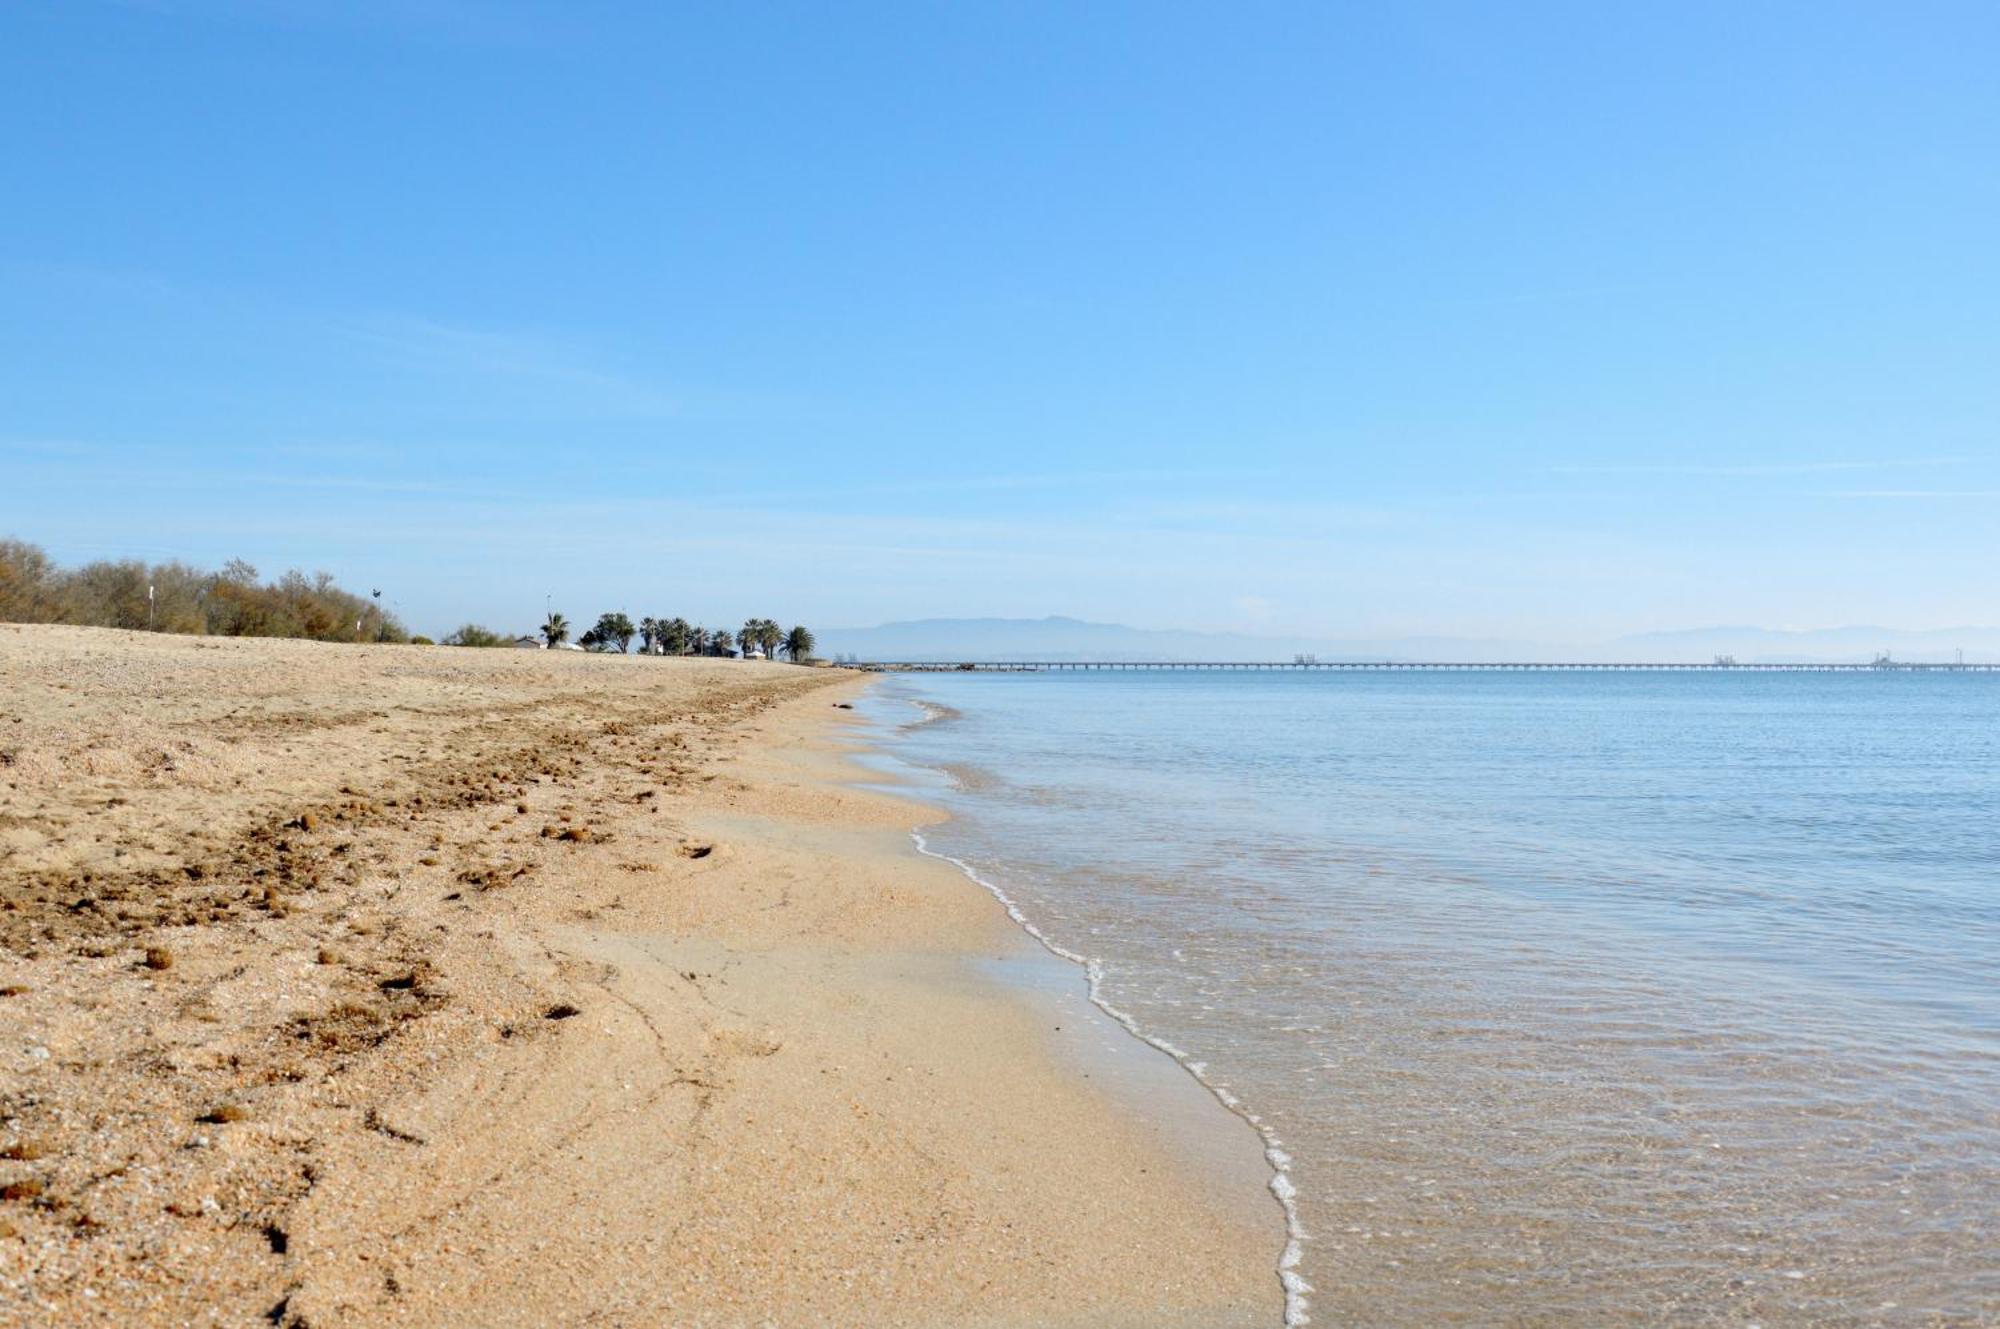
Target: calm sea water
[[1566, 998]]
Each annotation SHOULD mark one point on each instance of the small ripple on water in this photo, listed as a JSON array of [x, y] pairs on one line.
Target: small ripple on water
[[1569, 1000]]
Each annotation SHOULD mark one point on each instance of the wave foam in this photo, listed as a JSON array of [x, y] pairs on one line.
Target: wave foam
[[1281, 1187]]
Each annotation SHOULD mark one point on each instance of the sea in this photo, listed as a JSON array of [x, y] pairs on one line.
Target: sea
[[1555, 998]]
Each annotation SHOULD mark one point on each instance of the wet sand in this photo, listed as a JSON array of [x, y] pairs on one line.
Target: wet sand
[[365, 985]]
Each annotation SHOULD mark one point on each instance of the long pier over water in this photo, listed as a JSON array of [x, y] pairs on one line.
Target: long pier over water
[[1436, 666]]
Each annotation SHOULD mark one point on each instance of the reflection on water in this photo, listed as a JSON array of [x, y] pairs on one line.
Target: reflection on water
[[1573, 998]]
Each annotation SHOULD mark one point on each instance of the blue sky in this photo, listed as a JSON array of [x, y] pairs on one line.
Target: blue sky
[[1533, 320]]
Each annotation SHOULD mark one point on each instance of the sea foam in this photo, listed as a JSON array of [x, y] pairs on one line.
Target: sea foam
[[1297, 1289]]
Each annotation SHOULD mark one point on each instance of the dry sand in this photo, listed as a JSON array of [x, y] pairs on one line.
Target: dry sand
[[402, 985]]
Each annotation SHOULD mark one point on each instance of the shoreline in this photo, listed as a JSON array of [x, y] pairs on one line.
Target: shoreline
[[1279, 1183], [1046, 971], [729, 1054], [1077, 967]]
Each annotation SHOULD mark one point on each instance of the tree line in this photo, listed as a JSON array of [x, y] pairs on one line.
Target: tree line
[[659, 636], [178, 597], [234, 602]]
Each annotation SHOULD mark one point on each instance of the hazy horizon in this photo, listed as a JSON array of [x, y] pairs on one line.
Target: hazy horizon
[[1060, 638], [1558, 323]]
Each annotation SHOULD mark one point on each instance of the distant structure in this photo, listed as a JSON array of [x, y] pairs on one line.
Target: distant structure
[[1881, 663], [1305, 659]]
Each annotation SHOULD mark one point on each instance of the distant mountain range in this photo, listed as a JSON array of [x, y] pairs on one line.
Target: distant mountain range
[[978, 639]]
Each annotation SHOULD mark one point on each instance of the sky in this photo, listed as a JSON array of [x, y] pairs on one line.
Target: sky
[[1536, 320]]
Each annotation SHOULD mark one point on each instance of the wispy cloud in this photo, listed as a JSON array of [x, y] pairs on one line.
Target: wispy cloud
[[1551, 295], [351, 482], [1908, 493], [49, 447], [436, 347], [1756, 468], [480, 22], [1082, 482], [566, 371]]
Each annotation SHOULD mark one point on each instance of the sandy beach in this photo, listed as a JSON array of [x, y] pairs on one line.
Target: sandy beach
[[403, 985]]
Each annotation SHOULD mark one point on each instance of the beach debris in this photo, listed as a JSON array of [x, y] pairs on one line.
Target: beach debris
[[697, 850], [24, 1151], [372, 1119], [562, 1010], [223, 1114], [491, 876], [28, 1188], [159, 957], [746, 1042]]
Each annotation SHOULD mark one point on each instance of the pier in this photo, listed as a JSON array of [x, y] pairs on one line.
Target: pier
[[1390, 666]]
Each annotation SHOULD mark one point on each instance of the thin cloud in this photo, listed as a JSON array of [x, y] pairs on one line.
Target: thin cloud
[[349, 482], [435, 347], [1553, 295], [1757, 468], [573, 372], [478, 22], [1908, 493], [1090, 482], [50, 447]]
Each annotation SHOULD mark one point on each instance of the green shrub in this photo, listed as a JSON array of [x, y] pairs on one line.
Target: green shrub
[[174, 597], [472, 634], [26, 592]]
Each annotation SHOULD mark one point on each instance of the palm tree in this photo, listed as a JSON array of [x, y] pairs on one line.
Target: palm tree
[[556, 631], [761, 634], [799, 645], [674, 636], [698, 639], [649, 633]]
